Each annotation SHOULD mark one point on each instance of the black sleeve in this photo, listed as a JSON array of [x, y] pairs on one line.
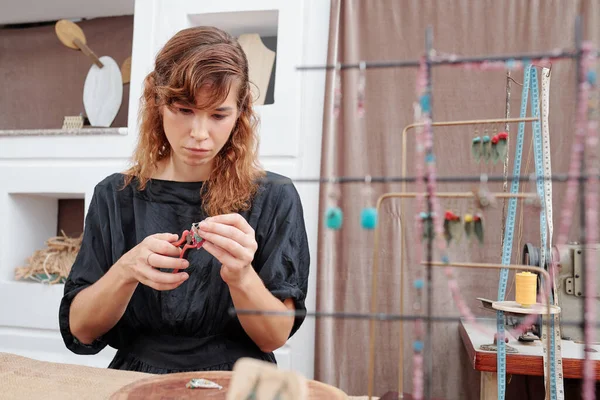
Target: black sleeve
[[92, 261], [283, 258]]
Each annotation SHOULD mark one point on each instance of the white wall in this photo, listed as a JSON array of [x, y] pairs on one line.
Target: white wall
[[35, 171]]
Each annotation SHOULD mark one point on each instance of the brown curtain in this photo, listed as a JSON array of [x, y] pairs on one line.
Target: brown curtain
[[386, 30]]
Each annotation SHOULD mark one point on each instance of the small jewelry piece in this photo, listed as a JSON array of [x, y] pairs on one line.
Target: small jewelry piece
[[368, 215], [452, 226], [191, 239], [478, 227], [486, 147], [476, 147], [468, 225], [502, 145], [334, 217], [201, 383], [427, 225]]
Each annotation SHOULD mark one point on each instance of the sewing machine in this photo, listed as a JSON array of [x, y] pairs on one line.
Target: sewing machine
[[569, 287], [570, 284]]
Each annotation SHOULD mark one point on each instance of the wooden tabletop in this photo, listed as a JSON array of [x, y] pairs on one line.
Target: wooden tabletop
[[528, 360]]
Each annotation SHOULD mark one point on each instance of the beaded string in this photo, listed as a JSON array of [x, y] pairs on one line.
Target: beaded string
[[591, 228], [420, 220]]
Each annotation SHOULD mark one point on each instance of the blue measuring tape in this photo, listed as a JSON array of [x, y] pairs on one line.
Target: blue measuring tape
[[556, 387], [508, 241]]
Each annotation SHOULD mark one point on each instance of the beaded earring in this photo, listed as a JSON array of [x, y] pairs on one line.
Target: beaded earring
[[368, 215], [476, 150], [486, 147], [334, 216]]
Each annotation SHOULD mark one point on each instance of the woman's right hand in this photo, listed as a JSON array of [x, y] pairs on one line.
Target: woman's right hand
[[156, 251]]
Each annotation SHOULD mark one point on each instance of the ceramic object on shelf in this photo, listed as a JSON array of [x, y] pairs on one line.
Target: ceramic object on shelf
[[103, 92]]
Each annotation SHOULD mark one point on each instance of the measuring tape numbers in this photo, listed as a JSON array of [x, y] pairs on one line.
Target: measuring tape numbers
[[544, 189], [508, 241]]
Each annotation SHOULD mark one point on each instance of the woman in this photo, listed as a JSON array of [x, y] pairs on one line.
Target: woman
[[196, 161]]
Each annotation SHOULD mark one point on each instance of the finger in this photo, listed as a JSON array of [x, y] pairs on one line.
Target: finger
[[159, 277], [222, 255], [228, 231], [230, 246], [162, 246], [233, 219], [163, 286], [156, 260], [169, 237]]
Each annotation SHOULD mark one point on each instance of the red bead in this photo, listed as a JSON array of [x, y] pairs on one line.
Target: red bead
[[503, 136], [495, 139], [448, 215]]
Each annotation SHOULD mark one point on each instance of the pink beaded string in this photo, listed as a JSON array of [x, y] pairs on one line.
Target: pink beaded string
[[591, 204], [418, 330]]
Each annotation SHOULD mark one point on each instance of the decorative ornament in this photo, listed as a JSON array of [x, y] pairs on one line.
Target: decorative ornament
[[478, 227], [427, 225], [476, 149], [368, 217], [334, 217], [502, 145], [486, 147], [452, 227], [468, 225]]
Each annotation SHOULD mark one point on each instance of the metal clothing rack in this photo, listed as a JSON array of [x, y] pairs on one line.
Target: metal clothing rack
[[433, 60]]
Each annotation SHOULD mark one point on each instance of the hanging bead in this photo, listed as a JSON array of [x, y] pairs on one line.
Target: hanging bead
[[334, 218], [418, 346], [368, 218]]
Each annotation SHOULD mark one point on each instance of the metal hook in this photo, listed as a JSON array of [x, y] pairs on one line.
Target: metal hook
[[512, 79]]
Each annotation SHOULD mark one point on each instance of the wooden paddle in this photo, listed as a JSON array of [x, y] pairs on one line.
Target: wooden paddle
[[71, 35]]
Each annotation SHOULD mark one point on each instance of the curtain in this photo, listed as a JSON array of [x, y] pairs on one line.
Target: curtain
[[388, 30]]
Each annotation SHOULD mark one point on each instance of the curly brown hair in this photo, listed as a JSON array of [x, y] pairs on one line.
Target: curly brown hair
[[210, 58]]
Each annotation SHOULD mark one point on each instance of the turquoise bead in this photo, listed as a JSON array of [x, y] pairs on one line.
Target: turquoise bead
[[368, 218], [418, 346], [486, 139], [591, 77], [445, 259], [334, 218], [418, 283], [425, 103]]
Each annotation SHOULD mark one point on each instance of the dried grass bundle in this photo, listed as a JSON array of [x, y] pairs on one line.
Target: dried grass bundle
[[52, 264]]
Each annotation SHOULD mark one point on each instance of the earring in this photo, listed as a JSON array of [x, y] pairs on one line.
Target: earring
[[486, 147], [476, 147], [427, 225], [502, 145], [478, 227], [334, 216], [495, 153], [368, 215], [468, 223]]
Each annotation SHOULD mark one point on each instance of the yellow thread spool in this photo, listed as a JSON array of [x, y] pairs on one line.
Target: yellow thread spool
[[526, 288]]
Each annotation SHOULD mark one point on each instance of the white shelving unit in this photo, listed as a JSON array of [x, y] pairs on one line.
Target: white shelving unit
[[39, 167]]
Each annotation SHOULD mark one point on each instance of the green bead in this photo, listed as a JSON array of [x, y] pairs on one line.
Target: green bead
[[368, 218], [334, 218]]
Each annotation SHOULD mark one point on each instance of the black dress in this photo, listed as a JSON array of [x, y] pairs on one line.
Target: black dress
[[189, 328]]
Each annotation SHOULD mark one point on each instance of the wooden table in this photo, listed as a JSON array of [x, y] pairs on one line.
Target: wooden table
[[528, 360], [26, 378]]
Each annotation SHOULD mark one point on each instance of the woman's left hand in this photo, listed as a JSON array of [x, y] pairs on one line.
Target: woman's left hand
[[230, 239]]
